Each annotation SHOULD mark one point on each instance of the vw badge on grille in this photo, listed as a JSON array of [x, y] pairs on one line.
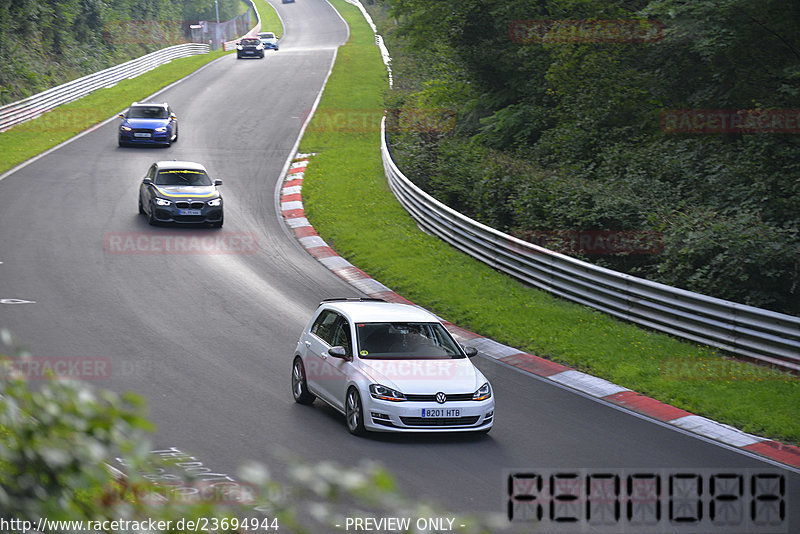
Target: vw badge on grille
[[441, 398]]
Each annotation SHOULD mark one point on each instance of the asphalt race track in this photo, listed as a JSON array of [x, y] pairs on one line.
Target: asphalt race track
[[208, 338]]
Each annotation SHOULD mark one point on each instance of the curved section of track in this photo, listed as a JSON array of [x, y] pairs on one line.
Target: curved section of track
[[207, 338]]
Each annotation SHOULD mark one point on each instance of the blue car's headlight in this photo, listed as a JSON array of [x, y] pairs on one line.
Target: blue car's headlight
[[162, 129], [125, 128], [162, 202]]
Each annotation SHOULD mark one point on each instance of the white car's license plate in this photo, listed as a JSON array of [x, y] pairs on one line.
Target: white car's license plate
[[142, 134], [190, 212], [441, 412]]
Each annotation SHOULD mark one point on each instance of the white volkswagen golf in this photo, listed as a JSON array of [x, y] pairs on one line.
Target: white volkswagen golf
[[390, 367]]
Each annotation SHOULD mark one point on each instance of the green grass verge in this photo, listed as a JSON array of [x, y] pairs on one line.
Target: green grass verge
[[348, 201]]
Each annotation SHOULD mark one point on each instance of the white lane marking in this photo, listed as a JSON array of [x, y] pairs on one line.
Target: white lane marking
[[292, 190], [587, 383], [312, 241], [16, 301], [292, 205], [718, 431], [297, 222], [335, 262], [492, 348]]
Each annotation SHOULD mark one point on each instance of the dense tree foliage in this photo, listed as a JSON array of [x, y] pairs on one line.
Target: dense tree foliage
[[44, 43], [569, 115]]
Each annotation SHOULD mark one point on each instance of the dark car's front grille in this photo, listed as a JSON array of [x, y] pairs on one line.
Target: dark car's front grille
[[432, 398], [189, 218], [182, 204], [440, 421]]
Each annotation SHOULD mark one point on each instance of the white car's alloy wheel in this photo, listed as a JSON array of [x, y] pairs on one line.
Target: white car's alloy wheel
[[354, 413], [299, 385]]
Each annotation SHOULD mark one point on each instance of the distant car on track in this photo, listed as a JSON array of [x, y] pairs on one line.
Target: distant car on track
[[148, 123], [390, 367], [249, 47], [269, 40], [287, 1], [180, 192]]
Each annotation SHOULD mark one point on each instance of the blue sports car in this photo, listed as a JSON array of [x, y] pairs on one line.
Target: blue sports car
[[148, 123], [269, 40]]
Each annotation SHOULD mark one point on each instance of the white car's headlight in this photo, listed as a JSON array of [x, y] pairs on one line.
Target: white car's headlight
[[215, 202], [162, 129], [162, 202], [378, 391], [483, 393]]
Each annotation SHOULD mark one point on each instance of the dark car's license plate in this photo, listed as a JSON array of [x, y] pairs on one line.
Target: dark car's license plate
[[190, 212]]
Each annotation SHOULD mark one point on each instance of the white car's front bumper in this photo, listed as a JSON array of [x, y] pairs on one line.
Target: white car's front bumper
[[412, 416]]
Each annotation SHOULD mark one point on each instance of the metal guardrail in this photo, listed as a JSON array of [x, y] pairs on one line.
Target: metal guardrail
[[747, 331], [33, 106]]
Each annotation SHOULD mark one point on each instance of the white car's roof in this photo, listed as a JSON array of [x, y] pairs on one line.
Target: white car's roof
[[378, 312]]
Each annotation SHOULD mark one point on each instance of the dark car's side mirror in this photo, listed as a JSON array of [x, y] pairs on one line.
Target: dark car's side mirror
[[217, 182], [147, 181], [338, 352], [471, 352]]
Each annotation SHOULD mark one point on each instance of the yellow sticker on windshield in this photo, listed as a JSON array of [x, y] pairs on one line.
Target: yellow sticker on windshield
[[364, 352]]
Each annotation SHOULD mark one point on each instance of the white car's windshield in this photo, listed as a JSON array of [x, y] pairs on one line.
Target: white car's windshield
[[405, 341]]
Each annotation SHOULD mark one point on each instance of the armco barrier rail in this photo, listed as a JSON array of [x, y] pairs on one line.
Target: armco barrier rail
[[33, 106], [770, 337]]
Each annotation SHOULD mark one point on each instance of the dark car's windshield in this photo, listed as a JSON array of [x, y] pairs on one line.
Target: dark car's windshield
[[405, 341], [148, 112], [182, 177], [250, 41]]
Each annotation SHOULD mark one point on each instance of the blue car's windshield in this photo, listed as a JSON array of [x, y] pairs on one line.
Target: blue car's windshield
[[182, 177], [145, 112]]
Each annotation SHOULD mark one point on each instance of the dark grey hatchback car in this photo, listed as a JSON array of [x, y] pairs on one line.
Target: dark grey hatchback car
[[180, 192]]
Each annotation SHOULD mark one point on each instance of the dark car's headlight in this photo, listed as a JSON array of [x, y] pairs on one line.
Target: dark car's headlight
[[162, 201], [239, 47], [214, 202], [483, 393], [378, 391]]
